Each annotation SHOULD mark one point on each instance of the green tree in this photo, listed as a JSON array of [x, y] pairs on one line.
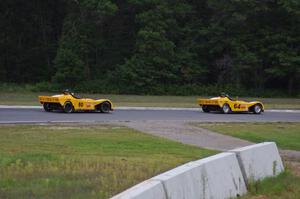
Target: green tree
[[73, 61], [152, 46], [164, 52], [28, 39]]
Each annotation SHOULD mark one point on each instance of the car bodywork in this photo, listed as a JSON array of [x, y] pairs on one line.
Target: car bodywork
[[68, 102], [224, 102]]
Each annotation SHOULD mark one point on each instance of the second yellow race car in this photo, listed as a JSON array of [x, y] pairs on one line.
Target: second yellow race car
[[226, 104], [68, 102]]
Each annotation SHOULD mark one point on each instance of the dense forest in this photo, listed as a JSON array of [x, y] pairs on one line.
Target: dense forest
[[183, 47]]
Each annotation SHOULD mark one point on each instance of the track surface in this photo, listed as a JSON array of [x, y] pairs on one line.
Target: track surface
[[13, 115]]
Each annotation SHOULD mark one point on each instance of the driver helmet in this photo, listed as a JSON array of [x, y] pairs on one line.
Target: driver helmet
[[66, 91], [223, 94]]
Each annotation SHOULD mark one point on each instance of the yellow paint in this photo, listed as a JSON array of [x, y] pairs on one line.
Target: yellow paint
[[235, 105], [78, 103]]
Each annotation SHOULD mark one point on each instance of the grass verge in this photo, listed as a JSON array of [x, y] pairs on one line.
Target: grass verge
[[80, 161], [30, 98], [286, 135], [286, 185]]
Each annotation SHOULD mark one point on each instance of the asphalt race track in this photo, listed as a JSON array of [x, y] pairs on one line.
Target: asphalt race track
[[31, 115]]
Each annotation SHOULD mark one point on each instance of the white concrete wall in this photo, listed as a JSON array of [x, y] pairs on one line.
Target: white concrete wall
[[259, 161], [215, 177], [149, 189]]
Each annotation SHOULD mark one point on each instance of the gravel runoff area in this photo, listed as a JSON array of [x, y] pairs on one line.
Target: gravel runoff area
[[186, 133]]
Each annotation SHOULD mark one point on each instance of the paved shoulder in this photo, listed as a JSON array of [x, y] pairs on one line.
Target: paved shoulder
[[187, 134]]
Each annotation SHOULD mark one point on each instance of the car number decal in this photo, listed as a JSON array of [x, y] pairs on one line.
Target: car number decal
[[239, 106]]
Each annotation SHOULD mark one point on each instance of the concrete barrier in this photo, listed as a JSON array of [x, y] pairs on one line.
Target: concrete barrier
[[218, 176], [149, 189], [259, 161]]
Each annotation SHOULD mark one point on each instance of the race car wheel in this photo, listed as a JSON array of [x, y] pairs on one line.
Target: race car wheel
[[226, 108], [257, 109], [47, 107], [68, 107], [205, 109], [104, 107]]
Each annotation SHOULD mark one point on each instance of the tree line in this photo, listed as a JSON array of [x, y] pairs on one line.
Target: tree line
[[152, 46]]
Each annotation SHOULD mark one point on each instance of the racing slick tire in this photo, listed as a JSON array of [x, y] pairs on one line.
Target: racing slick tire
[[205, 109], [68, 107], [47, 107], [104, 107], [226, 109], [257, 109]]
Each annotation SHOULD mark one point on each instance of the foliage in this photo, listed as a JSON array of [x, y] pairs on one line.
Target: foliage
[[143, 47]]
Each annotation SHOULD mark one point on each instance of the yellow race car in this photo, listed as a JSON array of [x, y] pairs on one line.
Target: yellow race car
[[226, 104], [68, 102]]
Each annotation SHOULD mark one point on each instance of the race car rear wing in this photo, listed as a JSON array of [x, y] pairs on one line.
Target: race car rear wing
[[207, 102], [48, 99]]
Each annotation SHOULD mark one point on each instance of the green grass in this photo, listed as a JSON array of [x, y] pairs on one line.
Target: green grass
[[80, 161], [286, 186], [286, 135], [30, 98]]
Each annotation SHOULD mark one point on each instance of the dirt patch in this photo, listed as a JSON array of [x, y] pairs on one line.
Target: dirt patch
[[290, 155], [259, 197], [294, 167]]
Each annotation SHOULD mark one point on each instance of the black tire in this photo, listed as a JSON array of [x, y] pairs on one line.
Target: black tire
[[205, 109], [104, 107], [47, 107], [226, 109], [257, 109], [68, 107]]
